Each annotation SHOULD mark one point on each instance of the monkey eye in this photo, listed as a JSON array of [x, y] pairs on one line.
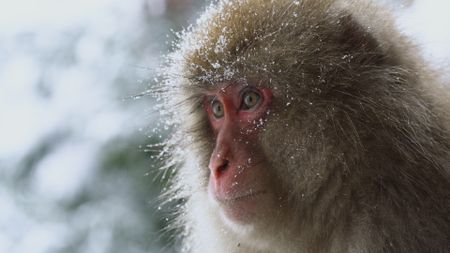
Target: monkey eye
[[217, 109], [250, 99]]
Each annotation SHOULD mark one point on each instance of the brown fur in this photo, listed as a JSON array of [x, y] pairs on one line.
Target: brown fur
[[358, 134]]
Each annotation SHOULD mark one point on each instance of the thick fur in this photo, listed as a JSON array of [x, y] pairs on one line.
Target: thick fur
[[358, 134]]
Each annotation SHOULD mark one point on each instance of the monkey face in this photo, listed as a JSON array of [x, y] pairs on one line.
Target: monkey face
[[239, 181]]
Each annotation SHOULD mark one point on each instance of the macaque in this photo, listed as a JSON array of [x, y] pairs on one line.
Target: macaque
[[306, 126]]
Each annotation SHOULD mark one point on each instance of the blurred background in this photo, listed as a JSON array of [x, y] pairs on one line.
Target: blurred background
[[76, 172]]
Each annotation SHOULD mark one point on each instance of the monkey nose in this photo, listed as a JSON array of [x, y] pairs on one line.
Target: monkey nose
[[218, 165]]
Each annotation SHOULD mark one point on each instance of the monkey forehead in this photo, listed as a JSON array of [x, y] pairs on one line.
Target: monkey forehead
[[232, 85], [283, 40], [222, 88], [239, 38]]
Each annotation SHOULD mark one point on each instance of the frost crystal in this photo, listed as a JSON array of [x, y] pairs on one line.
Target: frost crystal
[[221, 44]]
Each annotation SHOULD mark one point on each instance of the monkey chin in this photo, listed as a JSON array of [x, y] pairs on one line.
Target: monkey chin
[[242, 210]]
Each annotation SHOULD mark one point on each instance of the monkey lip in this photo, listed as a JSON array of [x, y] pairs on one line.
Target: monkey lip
[[240, 197]]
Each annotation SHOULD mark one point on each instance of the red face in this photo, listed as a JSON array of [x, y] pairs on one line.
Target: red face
[[239, 182]]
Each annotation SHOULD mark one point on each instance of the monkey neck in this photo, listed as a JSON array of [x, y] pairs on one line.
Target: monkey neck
[[378, 194]]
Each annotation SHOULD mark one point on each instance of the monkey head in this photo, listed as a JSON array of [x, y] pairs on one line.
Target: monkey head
[[277, 103]]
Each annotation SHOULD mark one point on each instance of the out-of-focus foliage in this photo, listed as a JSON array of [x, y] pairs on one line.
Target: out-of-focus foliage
[[74, 174]]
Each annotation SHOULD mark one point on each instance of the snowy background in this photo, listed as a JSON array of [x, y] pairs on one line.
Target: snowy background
[[75, 175]]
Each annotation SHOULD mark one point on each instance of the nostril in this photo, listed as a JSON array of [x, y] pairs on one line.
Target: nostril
[[218, 165], [222, 168]]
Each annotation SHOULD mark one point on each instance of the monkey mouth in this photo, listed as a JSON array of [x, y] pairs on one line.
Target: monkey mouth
[[242, 197], [242, 207]]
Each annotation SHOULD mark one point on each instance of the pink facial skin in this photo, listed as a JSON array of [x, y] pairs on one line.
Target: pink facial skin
[[237, 179]]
